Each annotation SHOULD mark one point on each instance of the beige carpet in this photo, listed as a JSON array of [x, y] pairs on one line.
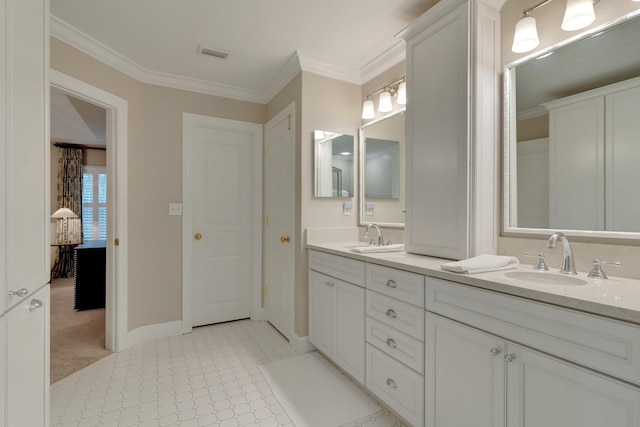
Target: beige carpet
[[77, 337]]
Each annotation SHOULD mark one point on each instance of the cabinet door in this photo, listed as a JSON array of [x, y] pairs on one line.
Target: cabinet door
[[622, 160], [437, 221], [576, 182], [28, 361], [348, 349], [24, 142], [321, 312], [543, 391], [3, 382], [464, 375]]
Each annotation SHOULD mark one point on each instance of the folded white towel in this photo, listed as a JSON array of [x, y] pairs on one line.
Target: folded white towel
[[482, 264]]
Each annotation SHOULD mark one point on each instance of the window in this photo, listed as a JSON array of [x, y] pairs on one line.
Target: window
[[94, 202]]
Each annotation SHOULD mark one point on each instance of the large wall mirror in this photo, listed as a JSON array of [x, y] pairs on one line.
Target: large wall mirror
[[572, 136], [382, 172], [334, 164]]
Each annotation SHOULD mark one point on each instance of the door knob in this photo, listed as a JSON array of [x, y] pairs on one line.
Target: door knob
[[285, 239], [197, 236]]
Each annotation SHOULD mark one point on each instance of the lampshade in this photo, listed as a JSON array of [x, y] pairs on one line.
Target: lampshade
[[402, 93], [368, 111], [526, 36], [579, 14], [384, 103], [64, 213]]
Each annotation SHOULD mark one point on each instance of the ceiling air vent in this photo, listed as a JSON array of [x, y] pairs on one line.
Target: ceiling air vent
[[216, 53]]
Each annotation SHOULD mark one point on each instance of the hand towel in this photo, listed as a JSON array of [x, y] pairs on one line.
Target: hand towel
[[481, 264]]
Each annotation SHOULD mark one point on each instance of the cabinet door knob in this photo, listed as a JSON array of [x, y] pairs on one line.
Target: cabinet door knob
[[510, 357], [392, 284], [22, 292], [391, 343], [391, 383], [496, 351], [197, 236], [35, 303], [391, 314], [285, 239]]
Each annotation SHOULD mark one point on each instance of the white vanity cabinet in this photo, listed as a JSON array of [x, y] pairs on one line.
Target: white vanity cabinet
[[336, 311], [395, 340], [452, 130], [517, 366], [595, 190]]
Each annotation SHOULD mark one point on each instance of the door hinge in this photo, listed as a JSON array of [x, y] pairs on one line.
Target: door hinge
[[116, 241], [266, 291], [266, 221], [266, 151], [289, 128]]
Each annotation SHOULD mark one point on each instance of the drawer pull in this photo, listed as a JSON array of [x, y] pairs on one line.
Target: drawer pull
[[496, 351], [391, 383], [391, 343], [510, 357], [392, 284], [22, 292], [35, 303], [392, 314]]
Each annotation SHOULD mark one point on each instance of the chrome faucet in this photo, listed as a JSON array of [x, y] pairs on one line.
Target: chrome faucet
[[380, 239], [568, 266]]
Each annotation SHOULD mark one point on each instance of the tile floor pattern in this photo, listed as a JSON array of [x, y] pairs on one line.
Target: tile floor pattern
[[207, 378]]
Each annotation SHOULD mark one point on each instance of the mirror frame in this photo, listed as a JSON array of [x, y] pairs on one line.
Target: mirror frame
[[316, 167], [509, 139], [361, 163]]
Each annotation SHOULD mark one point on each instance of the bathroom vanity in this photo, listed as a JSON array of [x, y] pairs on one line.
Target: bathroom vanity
[[507, 348]]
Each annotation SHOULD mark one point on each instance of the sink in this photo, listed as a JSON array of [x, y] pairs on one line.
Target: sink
[[545, 278], [379, 249]]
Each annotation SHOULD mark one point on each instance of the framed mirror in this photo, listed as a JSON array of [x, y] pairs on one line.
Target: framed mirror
[[572, 136], [334, 164], [382, 171]]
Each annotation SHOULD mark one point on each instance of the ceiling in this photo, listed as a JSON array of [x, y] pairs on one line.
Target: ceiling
[[268, 42], [74, 121]]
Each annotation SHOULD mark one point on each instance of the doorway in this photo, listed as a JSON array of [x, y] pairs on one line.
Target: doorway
[[116, 125]]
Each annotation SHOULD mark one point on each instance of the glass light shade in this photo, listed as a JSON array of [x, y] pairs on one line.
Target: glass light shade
[[402, 93], [579, 14], [64, 213], [526, 36], [368, 111], [384, 103]]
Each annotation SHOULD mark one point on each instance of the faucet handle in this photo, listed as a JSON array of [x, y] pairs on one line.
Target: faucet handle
[[597, 272], [540, 265]]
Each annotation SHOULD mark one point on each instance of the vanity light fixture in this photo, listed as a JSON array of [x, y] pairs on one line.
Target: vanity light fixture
[[577, 15], [397, 89]]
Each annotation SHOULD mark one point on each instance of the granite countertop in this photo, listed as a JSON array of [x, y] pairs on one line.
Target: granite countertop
[[615, 298]]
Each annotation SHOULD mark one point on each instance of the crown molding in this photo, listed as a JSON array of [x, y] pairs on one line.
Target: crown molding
[[72, 36], [392, 56], [285, 75], [328, 70], [532, 113]]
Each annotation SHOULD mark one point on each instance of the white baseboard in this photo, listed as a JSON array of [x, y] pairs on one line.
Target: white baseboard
[[150, 332], [301, 344]]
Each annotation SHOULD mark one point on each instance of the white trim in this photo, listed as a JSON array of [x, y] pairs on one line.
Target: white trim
[[76, 38], [345, 74], [117, 134], [189, 120], [532, 113], [394, 55], [152, 332], [290, 70], [301, 344]]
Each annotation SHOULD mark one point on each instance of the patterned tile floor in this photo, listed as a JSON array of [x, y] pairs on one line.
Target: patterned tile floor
[[207, 378]]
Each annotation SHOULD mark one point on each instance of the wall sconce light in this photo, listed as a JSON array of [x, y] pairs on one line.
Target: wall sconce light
[[397, 89], [66, 234], [577, 15]]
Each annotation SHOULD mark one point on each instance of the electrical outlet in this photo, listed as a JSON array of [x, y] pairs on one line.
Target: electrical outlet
[[175, 208]]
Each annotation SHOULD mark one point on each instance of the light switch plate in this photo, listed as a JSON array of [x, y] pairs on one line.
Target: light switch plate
[[175, 208]]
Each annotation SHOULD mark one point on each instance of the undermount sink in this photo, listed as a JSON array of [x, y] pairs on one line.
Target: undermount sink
[[378, 249], [545, 278]]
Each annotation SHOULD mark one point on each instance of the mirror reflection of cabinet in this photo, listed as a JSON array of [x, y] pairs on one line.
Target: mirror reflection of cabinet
[[382, 171], [334, 168]]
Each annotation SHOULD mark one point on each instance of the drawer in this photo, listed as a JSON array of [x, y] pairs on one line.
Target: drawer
[[402, 347], [402, 285], [602, 344], [404, 317], [396, 385], [347, 269]]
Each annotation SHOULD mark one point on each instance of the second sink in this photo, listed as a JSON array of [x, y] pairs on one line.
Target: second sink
[[545, 278]]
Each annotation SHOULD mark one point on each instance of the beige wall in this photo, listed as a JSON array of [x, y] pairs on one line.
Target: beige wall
[[154, 177], [549, 18]]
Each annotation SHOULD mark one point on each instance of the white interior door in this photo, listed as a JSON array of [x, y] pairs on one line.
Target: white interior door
[[220, 230], [279, 241]]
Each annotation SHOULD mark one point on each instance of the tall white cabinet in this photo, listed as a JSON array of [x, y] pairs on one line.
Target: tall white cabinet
[[24, 213], [597, 189], [453, 130]]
